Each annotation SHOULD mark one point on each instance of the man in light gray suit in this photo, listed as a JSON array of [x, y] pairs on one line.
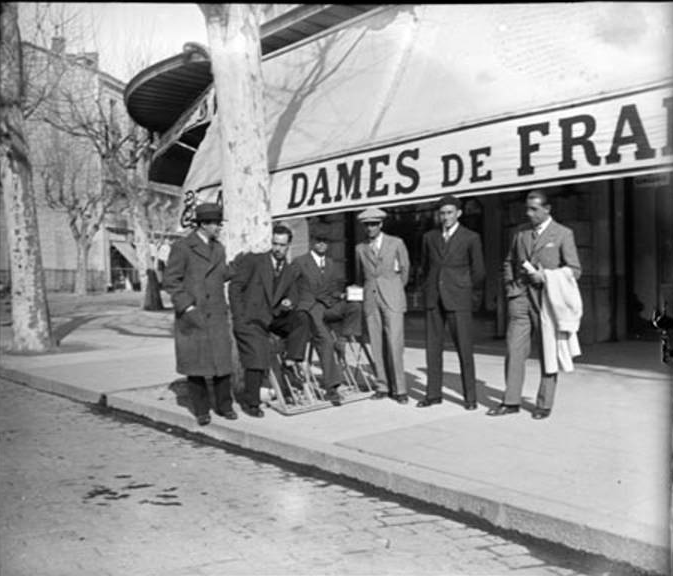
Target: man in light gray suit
[[542, 244], [383, 261]]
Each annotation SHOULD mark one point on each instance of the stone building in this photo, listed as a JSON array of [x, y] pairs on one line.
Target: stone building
[[72, 89]]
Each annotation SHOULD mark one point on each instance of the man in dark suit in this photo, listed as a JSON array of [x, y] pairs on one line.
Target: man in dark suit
[[322, 296], [195, 276], [453, 268], [542, 244], [263, 297]]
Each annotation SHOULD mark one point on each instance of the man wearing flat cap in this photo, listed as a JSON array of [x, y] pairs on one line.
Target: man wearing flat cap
[[452, 266], [322, 296], [195, 276], [382, 261]]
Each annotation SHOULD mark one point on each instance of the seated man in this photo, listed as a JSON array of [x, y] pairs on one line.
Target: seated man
[[262, 296], [320, 293]]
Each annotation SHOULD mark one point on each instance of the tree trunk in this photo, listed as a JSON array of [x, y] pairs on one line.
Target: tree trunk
[[236, 63], [31, 325], [83, 246], [141, 238]]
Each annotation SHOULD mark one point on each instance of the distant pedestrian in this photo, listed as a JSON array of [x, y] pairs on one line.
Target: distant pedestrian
[[382, 262], [263, 296], [453, 272], [538, 247], [162, 259], [195, 277]]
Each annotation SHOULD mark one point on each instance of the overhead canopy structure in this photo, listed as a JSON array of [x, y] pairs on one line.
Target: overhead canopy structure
[[408, 102]]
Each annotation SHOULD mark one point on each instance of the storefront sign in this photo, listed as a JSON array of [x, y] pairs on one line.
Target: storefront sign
[[611, 137]]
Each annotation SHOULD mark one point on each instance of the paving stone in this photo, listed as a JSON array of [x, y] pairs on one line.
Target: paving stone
[[84, 493]]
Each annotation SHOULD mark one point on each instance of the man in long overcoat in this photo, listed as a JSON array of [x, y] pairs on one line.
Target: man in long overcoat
[[453, 269], [195, 276], [263, 296]]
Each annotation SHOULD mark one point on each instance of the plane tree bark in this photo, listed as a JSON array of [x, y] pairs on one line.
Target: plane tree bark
[[31, 326]]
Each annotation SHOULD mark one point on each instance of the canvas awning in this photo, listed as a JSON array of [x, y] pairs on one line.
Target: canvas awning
[[413, 101], [127, 251]]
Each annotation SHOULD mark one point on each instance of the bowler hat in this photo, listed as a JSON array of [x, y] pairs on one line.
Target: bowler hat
[[372, 215], [208, 212]]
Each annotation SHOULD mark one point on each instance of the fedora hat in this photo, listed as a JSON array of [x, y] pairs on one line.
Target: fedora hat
[[208, 211]]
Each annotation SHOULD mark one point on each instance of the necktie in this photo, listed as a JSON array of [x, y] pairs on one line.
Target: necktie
[[322, 264], [446, 236], [279, 267]]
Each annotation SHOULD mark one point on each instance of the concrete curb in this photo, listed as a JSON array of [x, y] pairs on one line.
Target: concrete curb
[[449, 492]]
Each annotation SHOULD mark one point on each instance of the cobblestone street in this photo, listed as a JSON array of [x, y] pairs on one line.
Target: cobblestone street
[[86, 493]]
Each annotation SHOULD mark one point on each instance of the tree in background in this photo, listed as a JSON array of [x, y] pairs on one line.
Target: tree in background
[[83, 115], [31, 325]]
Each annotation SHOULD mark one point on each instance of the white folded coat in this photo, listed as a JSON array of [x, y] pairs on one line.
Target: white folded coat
[[560, 317]]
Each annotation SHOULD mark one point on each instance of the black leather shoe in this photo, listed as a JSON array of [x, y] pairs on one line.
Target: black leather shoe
[[402, 399], [332, 395], [203, 419], [255, 411], [502, 410], [541, 413], [425, 402], [229, 414], [378, 395], [470, 405]]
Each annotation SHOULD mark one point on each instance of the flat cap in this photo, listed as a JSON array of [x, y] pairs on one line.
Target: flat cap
[[372, 215], [208, 211]]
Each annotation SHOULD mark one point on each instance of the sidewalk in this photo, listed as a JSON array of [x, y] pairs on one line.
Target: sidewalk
[[594, 476]]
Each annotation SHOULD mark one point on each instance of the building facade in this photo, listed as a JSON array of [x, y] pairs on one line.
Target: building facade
[[398, 105], [67, 96]]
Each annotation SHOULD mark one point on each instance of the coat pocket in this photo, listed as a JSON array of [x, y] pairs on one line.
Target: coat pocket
[[192, 320]]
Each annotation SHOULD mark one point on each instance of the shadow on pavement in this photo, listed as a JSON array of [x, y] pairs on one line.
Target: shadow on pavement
[[487, 396], [62, 330]]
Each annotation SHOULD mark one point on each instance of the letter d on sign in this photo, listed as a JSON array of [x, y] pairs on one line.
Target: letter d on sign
[[446, 163], [299, 185]]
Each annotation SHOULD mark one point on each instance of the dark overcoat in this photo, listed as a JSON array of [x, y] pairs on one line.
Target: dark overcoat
[[255, 304], [196, 275]]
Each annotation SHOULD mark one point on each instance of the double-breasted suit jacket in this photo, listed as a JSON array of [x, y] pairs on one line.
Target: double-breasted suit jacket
[[384, 275], [255, 304], [195, 276], [554, 248], [453, 274]]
